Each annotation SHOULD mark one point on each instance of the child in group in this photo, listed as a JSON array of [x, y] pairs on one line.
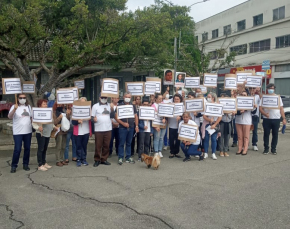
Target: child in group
[[145, 131], [187, 147]]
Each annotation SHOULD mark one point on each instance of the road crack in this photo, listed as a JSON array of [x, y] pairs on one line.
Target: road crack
[[33, 182], [11, 216]]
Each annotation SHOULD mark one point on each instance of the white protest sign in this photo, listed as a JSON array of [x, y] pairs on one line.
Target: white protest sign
[[194, 105], [28, 87], [157, 122], [110, 87], [150, 88], [80, 84], [11, 86], [245, 102], [166, 110], [146, 113], [135, 88], [42, 115], [125, 111], [178, 109], [157, 81], [81, 110], [210, 80], [213, 109], [230, 104], [230, 82], [203, 89], [271, 101], [192, 82], [188, 132], [254, 81], [65, 96], [242, 76]]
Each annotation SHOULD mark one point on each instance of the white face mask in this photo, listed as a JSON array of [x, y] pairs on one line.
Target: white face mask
[[104, 100], [196, 94], [22, 101], [127, 100], [167, 96], [209, 100]]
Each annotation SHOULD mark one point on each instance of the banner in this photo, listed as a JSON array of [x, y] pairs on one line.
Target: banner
[[110, 87], [254, 81], [80, 84], [42, 115], [150, 88], [210, 80], [125, 111], [146, 113], [194, 105], [135, 88], [188, 132], [65, 96], [245, 102], [213, 109], [271, 101], [81, 110], [242, 76], [157, 122], [230, 104], [230, 82], [11, 86], [74, 89], [192, 82], [28, 87], [178, 109], [166, 110], [157, 81]]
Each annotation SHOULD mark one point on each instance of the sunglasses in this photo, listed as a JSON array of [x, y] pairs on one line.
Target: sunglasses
[[22, 97], [103, 97]]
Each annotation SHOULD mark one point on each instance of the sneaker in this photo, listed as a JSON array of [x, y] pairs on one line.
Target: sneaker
[[186, 159], [160, 154], [222, 154], [274, 152], [79, 164], [42, 168], [205, 155], [234, 145], [120, 161], [214, 156], [47, 166], [130, 160], [196, 156], [255, 148], [165, 147], [85, 163], [266, 152], [139, 159], [226, 154]]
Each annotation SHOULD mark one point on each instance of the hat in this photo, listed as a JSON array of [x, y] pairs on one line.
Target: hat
[[100, 95], [145, 99]]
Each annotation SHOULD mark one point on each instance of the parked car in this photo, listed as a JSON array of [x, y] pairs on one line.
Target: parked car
[[285, 100], [287, 113]]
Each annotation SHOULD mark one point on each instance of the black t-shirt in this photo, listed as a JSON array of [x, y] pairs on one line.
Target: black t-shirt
[[131, 121]]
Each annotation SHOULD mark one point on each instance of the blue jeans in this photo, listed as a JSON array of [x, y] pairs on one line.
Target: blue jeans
[[81, 142], [26, 138], [213, 141], [166, 140], [189, 150], [115, 134], [69, 137], [158, 139], [235, 138], [255, 121], [125, 136]]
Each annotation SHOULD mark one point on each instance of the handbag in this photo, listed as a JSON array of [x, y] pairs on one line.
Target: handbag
[[65, 124]]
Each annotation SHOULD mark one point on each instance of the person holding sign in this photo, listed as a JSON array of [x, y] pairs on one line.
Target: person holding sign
[[271, 121], [102, 113], [126, 130], [43, 132], [211, 122], [82, 130], [115, 128], [243, 126], [137, 104], [255, 117], [173, 130], [21, 115], [187, 147]]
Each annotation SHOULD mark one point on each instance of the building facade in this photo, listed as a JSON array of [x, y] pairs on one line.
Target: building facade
[[256, 30]]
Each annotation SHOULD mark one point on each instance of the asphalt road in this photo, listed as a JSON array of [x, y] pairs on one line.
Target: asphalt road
[[236, 192]]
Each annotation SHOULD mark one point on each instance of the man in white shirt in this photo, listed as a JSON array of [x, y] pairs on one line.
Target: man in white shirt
[[255, 117], [101, 117], [271, 121]]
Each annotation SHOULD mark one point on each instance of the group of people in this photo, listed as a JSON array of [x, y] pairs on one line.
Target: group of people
[[108, 129]]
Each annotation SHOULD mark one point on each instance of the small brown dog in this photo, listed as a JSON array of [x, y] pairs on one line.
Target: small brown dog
[[147, 159], [156, 161]]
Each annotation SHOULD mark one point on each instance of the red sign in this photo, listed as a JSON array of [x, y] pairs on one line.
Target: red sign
[[257, 68]]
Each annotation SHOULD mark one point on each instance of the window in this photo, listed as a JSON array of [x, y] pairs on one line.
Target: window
[[214, 54], [279, 13], [282, 68], [260, 46], [239, 50], [215, 33], [258, 20], [227, 30], [282, 42], [204, 36], [196, 38], [241, 25]]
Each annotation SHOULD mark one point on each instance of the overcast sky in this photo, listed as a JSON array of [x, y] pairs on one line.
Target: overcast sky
[[198, 12]]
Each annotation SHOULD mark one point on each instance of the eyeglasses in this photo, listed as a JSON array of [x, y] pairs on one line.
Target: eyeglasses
[[22, 97]]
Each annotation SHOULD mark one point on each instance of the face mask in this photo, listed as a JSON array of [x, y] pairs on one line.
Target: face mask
[[22, 101], [167, 96], [127, 100], [271, 91], [196, 94], [104, 100], [209, 100]]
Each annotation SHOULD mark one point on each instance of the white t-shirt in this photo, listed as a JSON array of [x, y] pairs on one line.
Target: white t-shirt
[[273, 113], [190, 122], [245, 118], [257, 102], [21, 120], [102, 112], [227, 117], [84, 128], [195, 119]]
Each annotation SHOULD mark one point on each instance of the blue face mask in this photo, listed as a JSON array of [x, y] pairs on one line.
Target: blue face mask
[[271, 91]]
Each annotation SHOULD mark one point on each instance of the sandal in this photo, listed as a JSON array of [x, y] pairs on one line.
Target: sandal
[[239, 153], [171, 156], [244, 154], [178, 156], [67, 161], [74, 159]]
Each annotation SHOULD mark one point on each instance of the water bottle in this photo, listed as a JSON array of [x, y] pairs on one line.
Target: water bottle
[[283, 129]]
